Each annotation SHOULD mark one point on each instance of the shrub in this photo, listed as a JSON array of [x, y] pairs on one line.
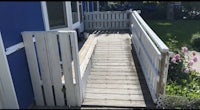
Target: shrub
[[195, 41], [177, 102], [183, 80]]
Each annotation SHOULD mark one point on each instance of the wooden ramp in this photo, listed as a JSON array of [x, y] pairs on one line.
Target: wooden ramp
[[113, 80]]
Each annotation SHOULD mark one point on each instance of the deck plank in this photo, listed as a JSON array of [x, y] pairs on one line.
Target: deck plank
[[113, 80]]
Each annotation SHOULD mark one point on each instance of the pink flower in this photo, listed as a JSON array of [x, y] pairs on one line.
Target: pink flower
[[191, 62], [193, 53], [177, 56], [173, 60], [184, 49], [195, 59], [186, 70]]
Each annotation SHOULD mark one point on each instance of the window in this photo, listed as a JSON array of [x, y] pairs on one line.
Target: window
[[74, 12], [86, 7], [56, 20], [81, 12], [95, 6]]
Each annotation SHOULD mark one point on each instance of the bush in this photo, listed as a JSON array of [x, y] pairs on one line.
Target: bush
[[195, 41], [183, 80], [177, 102]]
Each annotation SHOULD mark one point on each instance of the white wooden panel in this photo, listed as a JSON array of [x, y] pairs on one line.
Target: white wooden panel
[[156, 39], [148, 54], [145, 63], [7, 92], [67, 70], [44, 67], [153, 52], [33, 67], [78, 86], [109, 20], [54, 66]]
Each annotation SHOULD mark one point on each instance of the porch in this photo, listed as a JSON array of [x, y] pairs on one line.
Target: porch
[[114, 68]]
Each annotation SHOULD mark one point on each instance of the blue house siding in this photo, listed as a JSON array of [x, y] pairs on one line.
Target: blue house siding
[[90, 7], [84, 6], [15, 18]]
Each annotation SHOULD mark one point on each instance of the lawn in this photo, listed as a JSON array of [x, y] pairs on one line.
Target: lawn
[[179, 31]]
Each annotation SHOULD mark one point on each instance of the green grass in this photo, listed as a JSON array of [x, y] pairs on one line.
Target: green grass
[[179, 31]]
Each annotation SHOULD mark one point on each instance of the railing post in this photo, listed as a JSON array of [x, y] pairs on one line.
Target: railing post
[[78, 85], [164, 64]]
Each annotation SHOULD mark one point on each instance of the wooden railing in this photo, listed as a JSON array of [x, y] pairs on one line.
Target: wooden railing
[[107, 20], [153, 55], [44, 55], [85, 58]]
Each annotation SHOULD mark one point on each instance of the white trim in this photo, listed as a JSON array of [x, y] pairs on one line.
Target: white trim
[[93, 5], [69, 14], [14, 48], [7, 91], [46, 20], [45, 16], [88, 6], [76, 25], [79, 18], [97, 5]]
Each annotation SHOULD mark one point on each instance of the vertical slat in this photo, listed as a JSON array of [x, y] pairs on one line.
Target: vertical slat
[[117, 20], [113, 20], [121, 20], [54, 66], [78, 86], [33, 67], [67, 70], [102, 20], [44, 67], [109, 20]]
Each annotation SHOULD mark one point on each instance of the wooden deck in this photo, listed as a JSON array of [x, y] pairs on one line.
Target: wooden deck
[[115, 80]]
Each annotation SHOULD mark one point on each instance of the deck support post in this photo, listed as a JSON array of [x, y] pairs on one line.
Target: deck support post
[[164, 64]]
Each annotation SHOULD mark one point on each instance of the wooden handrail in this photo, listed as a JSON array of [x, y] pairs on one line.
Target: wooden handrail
[[152, 34], [86, 52]]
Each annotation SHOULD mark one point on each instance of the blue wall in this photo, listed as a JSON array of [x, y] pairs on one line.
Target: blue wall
[[15, 18], [84, 5], [90, 6]]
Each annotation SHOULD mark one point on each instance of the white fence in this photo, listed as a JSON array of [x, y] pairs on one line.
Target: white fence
[[44, 54], [153, 55], [108, 20]]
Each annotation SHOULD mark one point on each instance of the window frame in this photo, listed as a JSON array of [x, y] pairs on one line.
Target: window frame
[[68, 13]]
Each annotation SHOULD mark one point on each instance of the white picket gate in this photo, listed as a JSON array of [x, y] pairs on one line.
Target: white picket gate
[[45, 51], [106, 20]]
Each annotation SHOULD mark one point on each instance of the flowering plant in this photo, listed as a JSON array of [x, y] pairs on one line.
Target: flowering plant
[[183, 62], [182, 76]]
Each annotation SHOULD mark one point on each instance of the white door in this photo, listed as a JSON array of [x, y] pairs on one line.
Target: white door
[[8, 99]]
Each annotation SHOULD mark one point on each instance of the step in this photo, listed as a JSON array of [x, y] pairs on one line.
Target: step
[[103, 81], [113, 67], [114, 97], [115, 91], [112, 64], [114, 86], [113, 73], [97, 77], [115, 103]]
